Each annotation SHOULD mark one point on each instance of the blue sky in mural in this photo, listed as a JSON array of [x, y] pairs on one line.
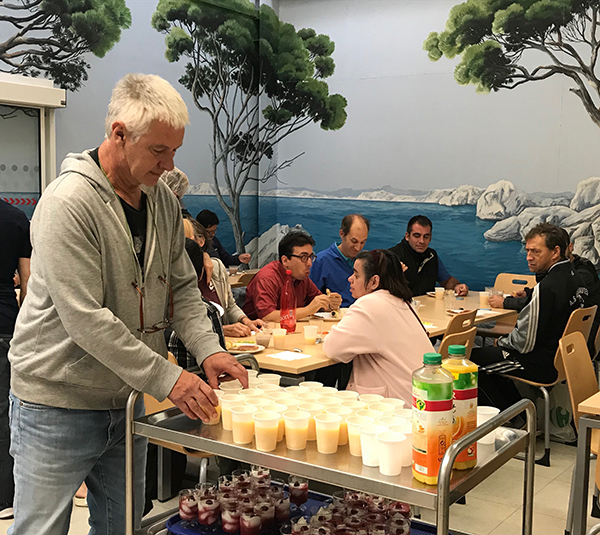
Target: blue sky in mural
[[457, 233]]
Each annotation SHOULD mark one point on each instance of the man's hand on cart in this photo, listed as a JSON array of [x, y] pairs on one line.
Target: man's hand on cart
[[194, 397], [221, 367]]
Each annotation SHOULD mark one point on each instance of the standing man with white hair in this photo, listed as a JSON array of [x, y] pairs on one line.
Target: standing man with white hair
[[90, 334]]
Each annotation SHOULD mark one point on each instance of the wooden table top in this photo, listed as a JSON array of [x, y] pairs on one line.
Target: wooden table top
[[591, 405], [432, 311], [240, 280]]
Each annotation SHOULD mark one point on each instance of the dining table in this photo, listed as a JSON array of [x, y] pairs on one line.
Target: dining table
[[241, 279], [311, 357]]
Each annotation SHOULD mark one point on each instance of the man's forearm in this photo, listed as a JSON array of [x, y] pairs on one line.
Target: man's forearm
[[301, 313], [450, 283]]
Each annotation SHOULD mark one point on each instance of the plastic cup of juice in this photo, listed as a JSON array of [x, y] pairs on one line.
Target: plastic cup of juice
[[326, 390], [370, 398], [439, 292], [214, 420], [313, 409], [329, 401], [346, 395], [406, 446], [279, 338], [483, 299], [389, 461], [242, 423], [228, 401], [270, 378], [310, 334], [397, 403], [345, 413], [370, 414], [252, 373], [296, 429], [354, 424], [279, 394], [483, 415], [308, 397], [231, 387], [291, 403], [404, 413], [295, 389], [354, 405], [266, 427], [257, 401], [277, 407], [386, 408], [311, 385], [328, 432], [369, 444], [390, 421], [268, 387]]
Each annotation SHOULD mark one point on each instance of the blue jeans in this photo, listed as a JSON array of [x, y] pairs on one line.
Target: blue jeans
[[7, 486], [55, 450]]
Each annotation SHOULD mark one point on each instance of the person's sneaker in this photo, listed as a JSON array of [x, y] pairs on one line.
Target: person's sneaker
[[6, 512]]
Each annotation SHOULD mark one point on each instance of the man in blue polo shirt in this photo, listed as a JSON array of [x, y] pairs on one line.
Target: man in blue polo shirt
[[333, 266]]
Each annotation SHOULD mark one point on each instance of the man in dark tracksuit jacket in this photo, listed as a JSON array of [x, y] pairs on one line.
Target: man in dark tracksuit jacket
[[529, 350]]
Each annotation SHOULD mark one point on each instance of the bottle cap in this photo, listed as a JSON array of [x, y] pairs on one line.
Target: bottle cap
[[432, 358], [288, 271], [457, 350]]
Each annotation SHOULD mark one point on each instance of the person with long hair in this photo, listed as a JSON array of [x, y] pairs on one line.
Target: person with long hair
[[380, 333]]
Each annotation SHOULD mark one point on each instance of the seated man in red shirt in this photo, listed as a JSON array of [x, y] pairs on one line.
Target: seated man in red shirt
[[263, 295]]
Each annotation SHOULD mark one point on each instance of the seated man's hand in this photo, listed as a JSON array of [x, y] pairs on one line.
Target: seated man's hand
[[318, 303], [255, 325], [461, 289], [245, 258], [236, 329], [519, 293], [496, 301], [404, 267], [223, 364], [335, 301], [194, 397]]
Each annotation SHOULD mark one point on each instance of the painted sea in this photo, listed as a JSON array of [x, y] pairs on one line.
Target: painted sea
[[457, 233]]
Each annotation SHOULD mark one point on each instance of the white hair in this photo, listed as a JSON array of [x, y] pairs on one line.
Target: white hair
[[138, 99], [177, 181]]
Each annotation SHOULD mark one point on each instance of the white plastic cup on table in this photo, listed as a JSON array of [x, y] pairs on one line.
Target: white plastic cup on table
[[386, 408], [326, 390], [370, 398], [296, 429], [354, 405], [483, 299], [308, 397], [268, 387], [317, 323], [214, 420], [354, 424], [313, 409], [483, 415], [279, 394], [390, 463], [370, 414], [346, 395], [242, 423], [311, 385], [310, 334], [390, 421], [291, 403], [404, 413], [277, 407], [253, 382], [251, 393], [252, 373], [266, 428], [257, 401], [279, 338], [328, 431], [397, 403], [228, 401], [405, 447], [369, 443], [270, 378], [345, 413], [329, 401], [439, 292], [231, 387], [295, 389], [263, 338]]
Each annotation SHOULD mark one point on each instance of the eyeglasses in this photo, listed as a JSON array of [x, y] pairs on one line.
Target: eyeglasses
[[304, 257], [161, 325]]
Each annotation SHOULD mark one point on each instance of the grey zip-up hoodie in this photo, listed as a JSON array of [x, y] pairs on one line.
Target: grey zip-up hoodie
[[76, 343]]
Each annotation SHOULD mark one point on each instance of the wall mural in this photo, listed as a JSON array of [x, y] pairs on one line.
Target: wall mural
[[258, 79]]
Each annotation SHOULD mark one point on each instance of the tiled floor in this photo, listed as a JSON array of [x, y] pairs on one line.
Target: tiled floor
[[493, 508]]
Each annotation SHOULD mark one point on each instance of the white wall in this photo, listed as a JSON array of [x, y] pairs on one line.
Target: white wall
[[412, 126]]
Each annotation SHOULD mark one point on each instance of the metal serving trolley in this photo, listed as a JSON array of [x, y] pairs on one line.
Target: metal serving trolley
[[343, 469]]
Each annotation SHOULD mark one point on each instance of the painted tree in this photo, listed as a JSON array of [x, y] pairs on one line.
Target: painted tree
[[506, 43], [51, 36], [257, 78]]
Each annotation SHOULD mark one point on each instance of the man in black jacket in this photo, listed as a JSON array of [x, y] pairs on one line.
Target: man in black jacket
[[210, 221], [423, 265], [529, 350]]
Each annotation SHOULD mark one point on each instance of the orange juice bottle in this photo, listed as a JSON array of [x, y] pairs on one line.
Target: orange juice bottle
[[432, 417], [465, 374]]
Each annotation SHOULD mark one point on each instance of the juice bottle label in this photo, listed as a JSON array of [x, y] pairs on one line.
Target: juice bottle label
[[432, 426], [465, 413]]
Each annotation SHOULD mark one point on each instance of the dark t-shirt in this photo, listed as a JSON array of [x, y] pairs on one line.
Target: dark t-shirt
[[136, 219], [14, 244]]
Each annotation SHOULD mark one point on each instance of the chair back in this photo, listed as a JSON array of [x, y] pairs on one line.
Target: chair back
[[464, 338], [580, 321], [579, 370], [461, 322], [512, 282]]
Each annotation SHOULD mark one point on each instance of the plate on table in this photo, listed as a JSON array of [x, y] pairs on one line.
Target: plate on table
[[431, 294], [455, 311], [238, 349], [327, 316]]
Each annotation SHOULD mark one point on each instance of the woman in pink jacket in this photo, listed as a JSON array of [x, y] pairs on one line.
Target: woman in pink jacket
[[380, 332]]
